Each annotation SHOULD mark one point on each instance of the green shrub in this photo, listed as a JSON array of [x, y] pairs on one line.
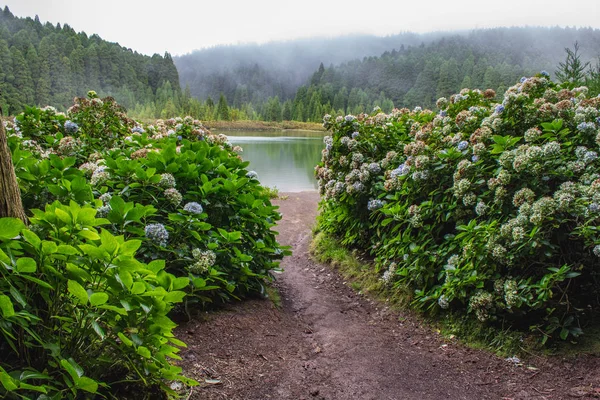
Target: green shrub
[[485, 207], [83, 309], [79, 312], [174, 173]]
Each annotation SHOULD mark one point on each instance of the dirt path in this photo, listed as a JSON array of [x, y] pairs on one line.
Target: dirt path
[[326, 342]]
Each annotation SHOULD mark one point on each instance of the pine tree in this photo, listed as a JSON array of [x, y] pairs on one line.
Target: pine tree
[[572, 70], [222, 109], [22, 81]]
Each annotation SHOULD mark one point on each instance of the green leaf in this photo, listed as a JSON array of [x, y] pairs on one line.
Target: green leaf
[[6, 306], [87, 384], [130, 247], [109, 243], [67, 250], [564, 333], [38, 281], [199, 283], [181, 282], [25, 375], [18, 296], [70, 369], [26, 386], [63, 216], [174, 297], [144, 352], [26, 265], [31, 238], [98, 329], [86, 216], [98, 298], [126, 341], [4, 258], [8, 382], [49, 247], [10, 227], [78, 291], [125, 278], [92, 250], [156, 265], [117, 204], [118, 310], [138, 288], [87, 234]]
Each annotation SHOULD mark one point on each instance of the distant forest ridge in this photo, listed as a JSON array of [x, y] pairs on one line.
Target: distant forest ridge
[[46, 64], [403, 70]]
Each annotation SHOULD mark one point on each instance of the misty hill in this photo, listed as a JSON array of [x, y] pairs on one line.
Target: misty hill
[[253, 72], [411, 76], [408, 68], [45, 64]]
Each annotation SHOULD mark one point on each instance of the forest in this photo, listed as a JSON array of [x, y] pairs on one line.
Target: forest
[[45, 64], [299, 80], [346, 76]]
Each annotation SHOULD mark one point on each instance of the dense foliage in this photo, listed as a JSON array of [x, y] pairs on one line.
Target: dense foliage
[[126, 222], [291, 80], [412, 76], [46, 64], [485, 207]]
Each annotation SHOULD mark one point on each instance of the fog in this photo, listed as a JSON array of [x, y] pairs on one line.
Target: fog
[[278, 68]]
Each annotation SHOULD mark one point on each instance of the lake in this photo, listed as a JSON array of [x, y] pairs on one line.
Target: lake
[[282, 159]]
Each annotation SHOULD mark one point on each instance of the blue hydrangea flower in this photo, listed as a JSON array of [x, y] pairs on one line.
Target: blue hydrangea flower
[[586, 127], [545, 73], [463, 145], [179, 137], [499, 109], [355, 135], [71, 127], [157, 233], [443, 113], [138, 129], [402, 170], [590, 156], [375, 204], [475, 158], [252, 175], [350, 118], [523, 79], [193, 207]]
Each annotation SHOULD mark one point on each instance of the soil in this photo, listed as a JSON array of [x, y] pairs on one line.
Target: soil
[[327, 342]]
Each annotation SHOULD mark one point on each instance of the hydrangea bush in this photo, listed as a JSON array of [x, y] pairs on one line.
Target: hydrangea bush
[[157, 215], [484, 206], [178, 187]]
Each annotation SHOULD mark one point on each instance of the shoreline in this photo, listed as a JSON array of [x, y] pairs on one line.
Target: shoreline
[[263, 126]]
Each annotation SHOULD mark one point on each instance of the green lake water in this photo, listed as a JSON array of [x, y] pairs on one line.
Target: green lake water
[[283, 159]]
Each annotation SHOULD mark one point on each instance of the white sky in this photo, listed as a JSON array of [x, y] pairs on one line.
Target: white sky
[[180, 26]]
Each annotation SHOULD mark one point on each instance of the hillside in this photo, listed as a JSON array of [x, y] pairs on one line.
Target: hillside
[[400, 70], [255, 72], [491, 58], [45, 64]]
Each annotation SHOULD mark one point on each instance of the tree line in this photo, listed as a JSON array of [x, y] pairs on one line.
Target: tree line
[[46, 64]]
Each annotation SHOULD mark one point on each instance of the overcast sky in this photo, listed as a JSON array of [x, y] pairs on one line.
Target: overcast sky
[[180, 26]]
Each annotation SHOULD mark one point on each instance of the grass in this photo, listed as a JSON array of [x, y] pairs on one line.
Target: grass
[[273, 193], [504, 341], [272, 294]]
